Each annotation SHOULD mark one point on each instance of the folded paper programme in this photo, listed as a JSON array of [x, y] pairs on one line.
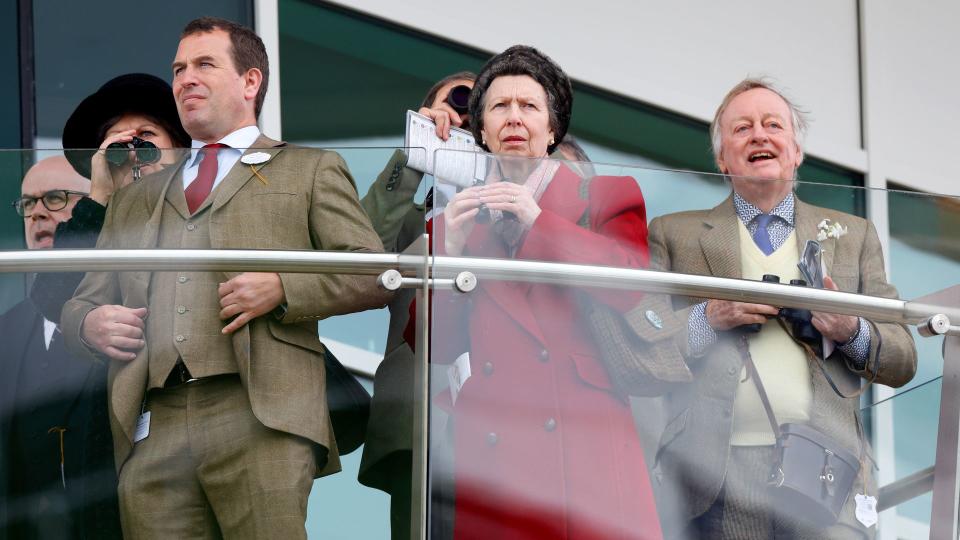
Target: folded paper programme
[[459, 165]]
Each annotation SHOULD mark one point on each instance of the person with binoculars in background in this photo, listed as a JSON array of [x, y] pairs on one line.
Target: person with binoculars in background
[[716, 453], [387, 462], [119, 133]]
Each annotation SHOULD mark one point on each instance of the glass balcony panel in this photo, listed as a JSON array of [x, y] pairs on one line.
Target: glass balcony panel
[[303, 191], [904, 449], [519, 381], [514, 308]]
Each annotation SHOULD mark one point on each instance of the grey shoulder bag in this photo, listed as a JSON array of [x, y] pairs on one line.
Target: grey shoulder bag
[[811, 474]]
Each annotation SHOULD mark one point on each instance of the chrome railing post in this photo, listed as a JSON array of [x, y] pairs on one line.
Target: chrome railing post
[[946, 484], [945, 508], [420, 493]]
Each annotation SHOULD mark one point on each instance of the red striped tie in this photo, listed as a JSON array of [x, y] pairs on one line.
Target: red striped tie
[[198, 190]]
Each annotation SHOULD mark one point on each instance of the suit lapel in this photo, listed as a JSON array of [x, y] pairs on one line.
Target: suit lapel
[[154, 189], [807, 229], [721, 242], [564, 196], [241, 173], [511, 296]]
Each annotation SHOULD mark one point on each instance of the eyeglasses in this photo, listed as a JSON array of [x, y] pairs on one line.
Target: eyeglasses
[[54, 200]]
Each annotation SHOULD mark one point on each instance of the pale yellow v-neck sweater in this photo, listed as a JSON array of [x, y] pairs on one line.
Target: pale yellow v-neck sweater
[[782, 363]]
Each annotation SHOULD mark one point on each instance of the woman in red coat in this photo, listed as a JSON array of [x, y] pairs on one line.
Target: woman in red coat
[[543, 448]]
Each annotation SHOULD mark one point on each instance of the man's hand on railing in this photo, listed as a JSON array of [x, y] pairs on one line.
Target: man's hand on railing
[[115, 331]]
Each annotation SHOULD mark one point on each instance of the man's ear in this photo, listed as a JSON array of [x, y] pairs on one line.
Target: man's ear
[[252, 80], [800, 155], [720, 166]]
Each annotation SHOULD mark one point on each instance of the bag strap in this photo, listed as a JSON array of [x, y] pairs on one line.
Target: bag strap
[[744, 347], [819, 362]]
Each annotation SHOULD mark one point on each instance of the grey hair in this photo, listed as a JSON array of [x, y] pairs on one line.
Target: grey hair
[[798, 117]]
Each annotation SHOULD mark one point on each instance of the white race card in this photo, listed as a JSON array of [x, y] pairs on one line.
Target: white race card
[[457, 166], [457, 374]]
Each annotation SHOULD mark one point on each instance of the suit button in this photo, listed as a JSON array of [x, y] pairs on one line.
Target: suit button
[[732, 370], [544, 356], [181, 310], [492, 439], [550, 424], [191, 227], [182, 279], [180, 338], [488, 369]]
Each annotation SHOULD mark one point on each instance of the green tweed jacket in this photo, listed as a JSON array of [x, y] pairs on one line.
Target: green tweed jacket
[[387, 453], [309, 202]]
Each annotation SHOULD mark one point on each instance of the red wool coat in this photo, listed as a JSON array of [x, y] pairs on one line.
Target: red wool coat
[[542, 446]]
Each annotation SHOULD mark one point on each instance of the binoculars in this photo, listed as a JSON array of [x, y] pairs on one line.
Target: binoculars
[[145, 152], [798, 319], [459, 98]]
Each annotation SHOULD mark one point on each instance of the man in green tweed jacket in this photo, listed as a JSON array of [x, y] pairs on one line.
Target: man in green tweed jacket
[[217, 382]]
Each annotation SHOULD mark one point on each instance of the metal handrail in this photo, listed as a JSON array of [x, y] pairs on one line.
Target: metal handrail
[[875, 308]]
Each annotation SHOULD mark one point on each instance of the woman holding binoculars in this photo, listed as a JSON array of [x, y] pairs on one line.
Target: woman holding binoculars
[[543, 446], [114, 136]]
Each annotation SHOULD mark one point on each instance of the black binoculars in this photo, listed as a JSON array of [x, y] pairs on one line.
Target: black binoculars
[[459, 98], [145, 152], [484, 215], [798, 319]]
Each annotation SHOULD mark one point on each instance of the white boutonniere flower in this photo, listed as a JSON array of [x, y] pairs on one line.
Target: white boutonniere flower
[[827, 229], [254, 159]]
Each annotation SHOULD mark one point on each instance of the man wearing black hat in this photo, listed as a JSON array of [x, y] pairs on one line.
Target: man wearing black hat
[[218, 398]]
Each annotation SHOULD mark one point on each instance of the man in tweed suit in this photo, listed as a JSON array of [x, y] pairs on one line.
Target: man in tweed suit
[[716, 450], [217, 398]]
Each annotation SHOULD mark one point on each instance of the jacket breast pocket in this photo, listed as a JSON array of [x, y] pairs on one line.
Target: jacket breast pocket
[[846, 276]]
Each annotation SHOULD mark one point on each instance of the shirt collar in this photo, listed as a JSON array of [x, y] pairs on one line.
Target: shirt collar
[[239, 140], [747, 212]]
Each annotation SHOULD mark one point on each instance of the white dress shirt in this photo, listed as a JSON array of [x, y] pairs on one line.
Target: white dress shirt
[[238, 141]]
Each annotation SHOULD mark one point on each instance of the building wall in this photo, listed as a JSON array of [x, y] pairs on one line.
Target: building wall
[[683, 56]]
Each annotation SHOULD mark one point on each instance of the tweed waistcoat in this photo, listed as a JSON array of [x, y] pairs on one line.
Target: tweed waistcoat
[[184, 317]]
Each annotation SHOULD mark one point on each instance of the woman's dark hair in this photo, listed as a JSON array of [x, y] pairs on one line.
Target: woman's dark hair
[[460, 76], [178, 137], [525, 60]]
